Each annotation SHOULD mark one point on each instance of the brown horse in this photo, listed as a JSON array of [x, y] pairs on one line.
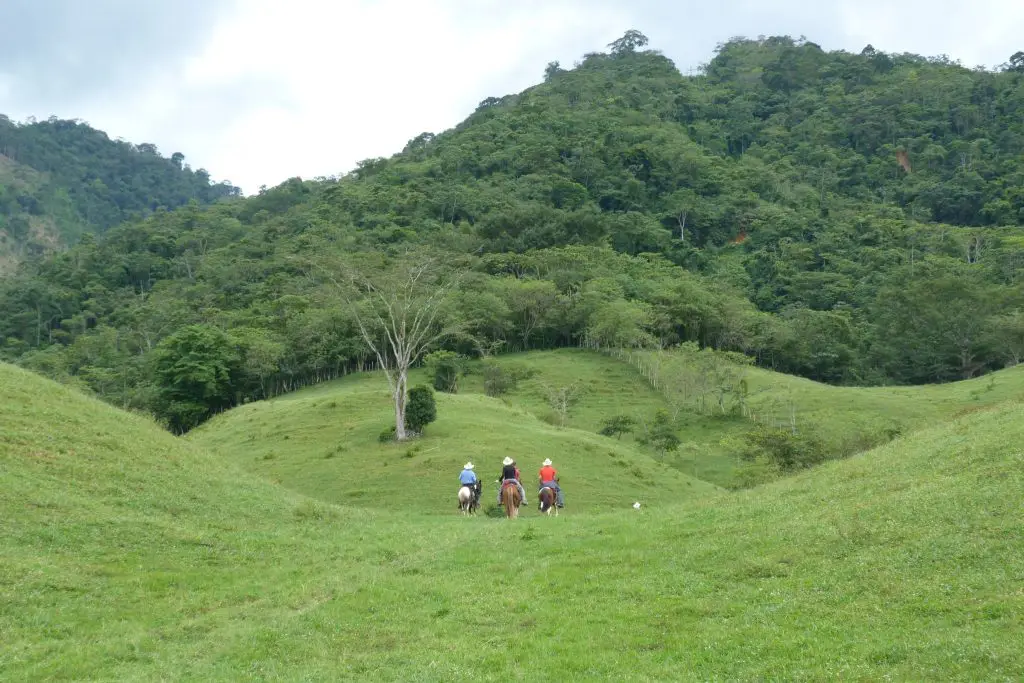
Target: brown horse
[[548, 501], [510, 500]]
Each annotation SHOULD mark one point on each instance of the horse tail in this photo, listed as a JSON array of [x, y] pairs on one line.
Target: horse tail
[[508, 499]]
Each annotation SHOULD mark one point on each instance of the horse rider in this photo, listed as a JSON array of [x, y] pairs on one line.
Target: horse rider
[[468, 478], [509, 472], [548, 476]]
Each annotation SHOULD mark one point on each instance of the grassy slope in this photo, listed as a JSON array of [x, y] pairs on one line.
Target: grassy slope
[[324, 450], [322, 442], [850, 418], [610, 387], [126, 550], [129, 555]]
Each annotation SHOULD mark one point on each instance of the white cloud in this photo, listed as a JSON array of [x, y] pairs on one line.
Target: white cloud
[[357, 79], [310, 87], [982, 32]]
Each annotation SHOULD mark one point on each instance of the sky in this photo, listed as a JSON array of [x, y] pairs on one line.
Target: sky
[[258, 91]]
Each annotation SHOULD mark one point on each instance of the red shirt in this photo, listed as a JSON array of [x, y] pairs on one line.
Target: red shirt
[[548, 473]]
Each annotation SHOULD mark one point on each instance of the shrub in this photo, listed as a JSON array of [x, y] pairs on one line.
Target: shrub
[[500, 380], [446, 367], [421, 408], [784, 448], [617, 426], [387, 436], [662, 434]]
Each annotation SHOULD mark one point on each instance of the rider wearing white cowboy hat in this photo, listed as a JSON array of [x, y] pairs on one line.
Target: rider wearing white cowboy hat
[[509, 472], [548, 476], [468, 478]]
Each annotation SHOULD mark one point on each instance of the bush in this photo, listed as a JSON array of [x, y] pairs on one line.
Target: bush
[[421, 408], [783, 448], [662, 434], [446, 367], [500, 380], [617, 426], [388, 435]]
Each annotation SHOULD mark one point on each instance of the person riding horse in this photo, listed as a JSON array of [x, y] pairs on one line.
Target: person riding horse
[[510, 473], [548, 476], [468, 478]]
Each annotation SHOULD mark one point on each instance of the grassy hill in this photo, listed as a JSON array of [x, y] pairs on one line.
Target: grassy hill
[[323, 442], [846, 419], [131, 555]]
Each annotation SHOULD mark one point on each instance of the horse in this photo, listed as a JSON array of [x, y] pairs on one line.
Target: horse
[[510, 500], [548, 501], [467, 500]]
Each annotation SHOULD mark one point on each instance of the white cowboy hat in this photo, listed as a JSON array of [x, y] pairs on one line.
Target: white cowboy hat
[[468, 466], [547, 461], [506, 461]]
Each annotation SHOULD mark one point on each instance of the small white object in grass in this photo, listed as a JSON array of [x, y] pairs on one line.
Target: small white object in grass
[[636, 505]]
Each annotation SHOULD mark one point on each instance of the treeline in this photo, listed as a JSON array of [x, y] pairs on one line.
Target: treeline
[[778, 205]]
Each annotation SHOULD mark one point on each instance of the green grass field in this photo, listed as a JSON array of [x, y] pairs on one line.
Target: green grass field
[[848, 419], [131, 555], [322, 442]]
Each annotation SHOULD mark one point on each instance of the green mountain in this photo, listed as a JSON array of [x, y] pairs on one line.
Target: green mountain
[[61, 179], [850, 218]]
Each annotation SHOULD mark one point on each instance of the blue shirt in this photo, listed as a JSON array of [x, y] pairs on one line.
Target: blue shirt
[[467, 477]]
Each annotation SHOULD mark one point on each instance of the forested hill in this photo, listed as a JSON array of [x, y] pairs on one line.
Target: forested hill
[[853, 218], [60, 179]]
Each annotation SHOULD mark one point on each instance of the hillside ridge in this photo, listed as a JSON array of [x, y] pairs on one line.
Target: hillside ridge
[[61, 179], [757, 207]]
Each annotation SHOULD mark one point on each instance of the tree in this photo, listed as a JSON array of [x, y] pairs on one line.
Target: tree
[[620, 324], [1006, 336], [445, 366], [421, 409], [661, 435], [403, 314], [197, 369], [628, 43], [561, 399], [500, 379], [617, 426], [1016, 62]]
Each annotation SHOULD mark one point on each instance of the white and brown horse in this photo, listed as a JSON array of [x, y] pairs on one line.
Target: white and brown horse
[[548, 501], [467, 500]]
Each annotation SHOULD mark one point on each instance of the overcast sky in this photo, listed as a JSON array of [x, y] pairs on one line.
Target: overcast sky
[[257, 91]]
